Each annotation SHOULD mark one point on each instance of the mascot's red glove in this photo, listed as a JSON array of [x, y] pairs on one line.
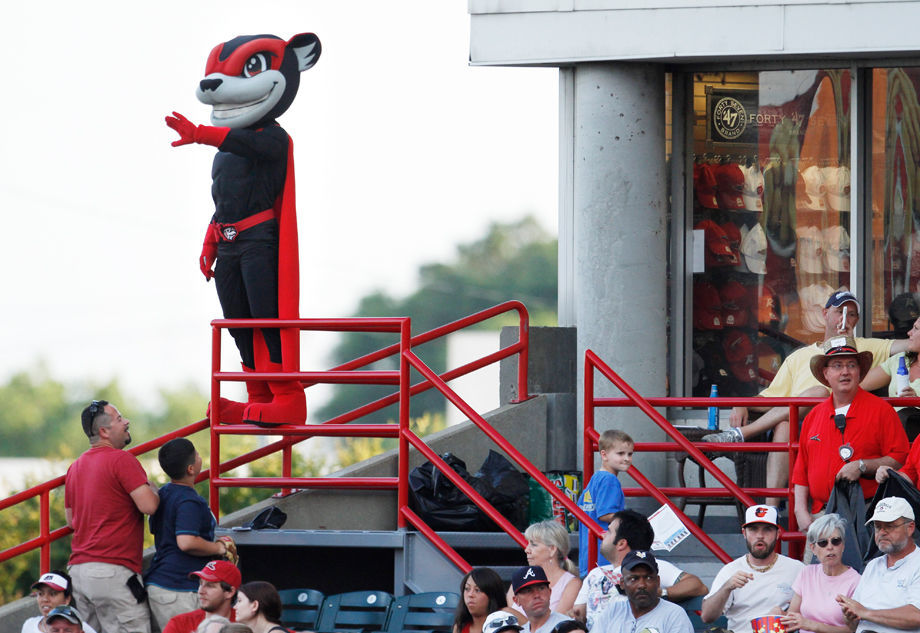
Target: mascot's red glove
[[191, 133], [208, 252]]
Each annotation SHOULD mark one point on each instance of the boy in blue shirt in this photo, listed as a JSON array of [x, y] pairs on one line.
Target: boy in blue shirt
[[603, 496], [183, 532]]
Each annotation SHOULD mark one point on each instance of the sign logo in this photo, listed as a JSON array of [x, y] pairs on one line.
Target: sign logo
[[729, 118], [760, 512], [529, 573]]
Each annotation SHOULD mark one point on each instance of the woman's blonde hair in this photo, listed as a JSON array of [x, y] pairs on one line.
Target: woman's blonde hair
[[551, 533]]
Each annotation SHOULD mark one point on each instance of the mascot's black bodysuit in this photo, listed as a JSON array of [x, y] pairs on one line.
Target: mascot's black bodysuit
[[250, 81]]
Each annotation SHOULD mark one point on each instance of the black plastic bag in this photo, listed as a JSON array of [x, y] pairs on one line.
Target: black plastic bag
[[444, 506]]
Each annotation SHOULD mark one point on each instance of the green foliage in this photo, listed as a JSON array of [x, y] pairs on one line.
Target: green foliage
[[512, 261]]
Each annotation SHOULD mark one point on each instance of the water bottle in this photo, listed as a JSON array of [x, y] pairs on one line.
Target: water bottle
[[714, 411], [902, 379]]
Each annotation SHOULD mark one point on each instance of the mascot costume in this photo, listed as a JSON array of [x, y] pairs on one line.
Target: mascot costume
[[250, 81]]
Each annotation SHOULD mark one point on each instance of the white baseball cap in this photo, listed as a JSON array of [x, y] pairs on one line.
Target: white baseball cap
[[815, 190], [837, 180], [809, 249], [891, 509], [837, 248], [498, 621], [760, 514], [754, 249], [752, 193]]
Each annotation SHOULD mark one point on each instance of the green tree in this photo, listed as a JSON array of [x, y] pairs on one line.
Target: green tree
[[512, 261]]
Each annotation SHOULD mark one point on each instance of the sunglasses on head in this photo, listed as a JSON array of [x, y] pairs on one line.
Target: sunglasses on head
[[833, 541]]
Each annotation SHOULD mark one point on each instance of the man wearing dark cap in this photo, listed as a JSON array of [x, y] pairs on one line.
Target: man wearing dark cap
[[757, 583], [846, 437], [63, 619], [106, 495], [532, 592], [643, 609], [217, 585], [841, 314]]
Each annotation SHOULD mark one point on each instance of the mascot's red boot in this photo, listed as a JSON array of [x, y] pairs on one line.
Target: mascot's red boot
[[249, 82]]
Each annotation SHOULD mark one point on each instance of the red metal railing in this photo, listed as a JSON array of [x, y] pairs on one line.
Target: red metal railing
[[338, 427], [647, 406]]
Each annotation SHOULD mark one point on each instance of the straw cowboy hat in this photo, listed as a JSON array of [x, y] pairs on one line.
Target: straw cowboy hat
[[839, 346]]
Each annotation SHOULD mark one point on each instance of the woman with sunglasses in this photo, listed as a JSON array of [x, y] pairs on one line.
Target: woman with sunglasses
[[813, 608]]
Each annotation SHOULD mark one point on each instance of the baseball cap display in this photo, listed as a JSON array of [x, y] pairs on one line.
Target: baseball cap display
[[704, 182], [526, 576], [734, 238], [837, 181], [754, 249], [811, 305], [891, 509], [810, 249], [739, 352], [815, 190], [707, 307], [718, 247], [736, 304], [769, 310], [760, 514], [837, 249], [499, 621], [730, 190], [752, 193]]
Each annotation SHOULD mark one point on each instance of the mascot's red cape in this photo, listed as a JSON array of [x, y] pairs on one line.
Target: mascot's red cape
[[250, 81]]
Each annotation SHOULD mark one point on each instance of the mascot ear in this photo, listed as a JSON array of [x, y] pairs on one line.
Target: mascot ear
[[306, 48]]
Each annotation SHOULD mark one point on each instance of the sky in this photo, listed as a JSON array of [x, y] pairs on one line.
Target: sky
[[402, 151]]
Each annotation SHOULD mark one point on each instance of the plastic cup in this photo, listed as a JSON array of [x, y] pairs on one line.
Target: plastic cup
[[768, 624]]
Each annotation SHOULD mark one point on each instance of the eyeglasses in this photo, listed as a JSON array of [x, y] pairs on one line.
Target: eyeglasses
[[833, 541], [841, 365], [880, 527]]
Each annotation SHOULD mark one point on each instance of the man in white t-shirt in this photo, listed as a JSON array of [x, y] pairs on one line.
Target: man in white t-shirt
[[887, 598], [628, 531], [644, 609], [531, 591], [757, 583]]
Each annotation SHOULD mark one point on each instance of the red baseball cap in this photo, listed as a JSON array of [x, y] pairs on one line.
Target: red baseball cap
[[707, 307], [736, 303], [704, 182], [220, 571], [718, 246], [730, 180]]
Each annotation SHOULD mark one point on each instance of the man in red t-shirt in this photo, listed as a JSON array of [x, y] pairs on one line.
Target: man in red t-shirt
[[849, 436], [106, 495], [217, 585]]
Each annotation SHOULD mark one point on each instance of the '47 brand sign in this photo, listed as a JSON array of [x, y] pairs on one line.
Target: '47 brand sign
[[732, 116]]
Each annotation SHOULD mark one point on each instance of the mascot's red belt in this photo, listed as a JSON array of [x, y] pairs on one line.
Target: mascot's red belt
[[228, 232]]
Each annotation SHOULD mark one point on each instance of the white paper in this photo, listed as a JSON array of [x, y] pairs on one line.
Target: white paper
[[669, 531], [699, 251]]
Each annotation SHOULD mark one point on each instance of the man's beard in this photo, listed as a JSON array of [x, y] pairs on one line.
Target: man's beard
[[768, 551], [892, 547]]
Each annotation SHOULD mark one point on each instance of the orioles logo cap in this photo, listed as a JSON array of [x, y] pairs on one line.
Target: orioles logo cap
[[760, 514]]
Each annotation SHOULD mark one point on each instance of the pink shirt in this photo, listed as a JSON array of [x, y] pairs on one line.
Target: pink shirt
[[819, 591]]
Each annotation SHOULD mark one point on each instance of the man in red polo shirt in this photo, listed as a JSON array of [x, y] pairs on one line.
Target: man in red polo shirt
[[848, 436], [217, 585], [106, 495]]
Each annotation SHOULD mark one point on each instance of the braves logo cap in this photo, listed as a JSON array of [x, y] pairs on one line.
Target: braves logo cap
[[526, 576], [760, 514]]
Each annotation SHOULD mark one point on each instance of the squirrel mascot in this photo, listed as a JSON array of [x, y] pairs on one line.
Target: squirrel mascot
[[250, 81]]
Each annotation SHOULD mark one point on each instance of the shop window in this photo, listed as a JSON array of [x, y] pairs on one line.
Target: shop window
[[895, 187], [771, 218]]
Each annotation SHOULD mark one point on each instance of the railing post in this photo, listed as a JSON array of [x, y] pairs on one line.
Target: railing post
[[402, 490], [523, 356], [287, 461], [588, 446], [45, 531], [213, 491], [796, 549]]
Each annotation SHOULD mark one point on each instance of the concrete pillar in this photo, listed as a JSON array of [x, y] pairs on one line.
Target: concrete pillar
[[619, 213]]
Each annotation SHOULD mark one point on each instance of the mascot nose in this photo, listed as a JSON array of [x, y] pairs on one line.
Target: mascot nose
[[210, 84]]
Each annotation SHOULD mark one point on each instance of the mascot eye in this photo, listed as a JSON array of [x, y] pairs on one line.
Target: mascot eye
[[256, 64]]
